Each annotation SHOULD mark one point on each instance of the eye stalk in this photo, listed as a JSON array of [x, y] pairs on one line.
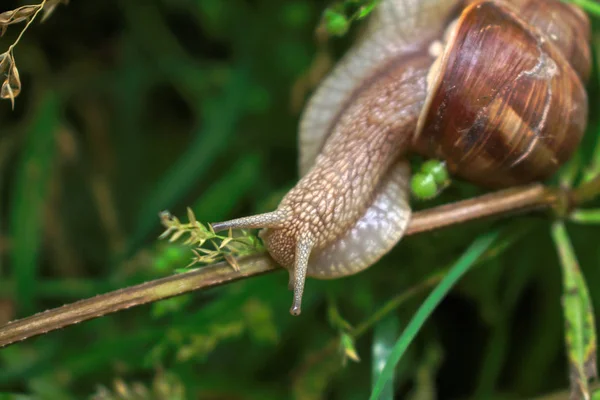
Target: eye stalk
[[278, 238], [267, 220]]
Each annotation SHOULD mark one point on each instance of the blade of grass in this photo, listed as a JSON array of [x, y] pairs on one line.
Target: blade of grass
[[383, 343], [467, 260], [580, 331], [507, 238], [586, 216], [28, 198]]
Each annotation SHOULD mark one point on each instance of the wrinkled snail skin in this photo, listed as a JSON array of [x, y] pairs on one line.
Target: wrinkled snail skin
[[493, 94], [356, 166]]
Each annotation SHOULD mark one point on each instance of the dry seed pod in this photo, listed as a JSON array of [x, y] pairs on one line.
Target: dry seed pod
[[11, 87], [16, 16], [501, 104]]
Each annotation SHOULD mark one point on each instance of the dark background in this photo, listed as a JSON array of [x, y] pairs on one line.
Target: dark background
[[130, 107]]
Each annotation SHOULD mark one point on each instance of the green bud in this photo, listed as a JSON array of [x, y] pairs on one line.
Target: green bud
[[438, 170], [336, 23], [348, 346], [423, 186]]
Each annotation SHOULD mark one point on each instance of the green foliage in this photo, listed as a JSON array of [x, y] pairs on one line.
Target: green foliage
[[338, 17], [586, 216], [588, 5], [580, 326], [131, 107], [337, 24], [198, 236], [31, 191], [463, 264]]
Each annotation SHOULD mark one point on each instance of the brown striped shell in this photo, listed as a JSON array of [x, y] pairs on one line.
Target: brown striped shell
[[504, 104]]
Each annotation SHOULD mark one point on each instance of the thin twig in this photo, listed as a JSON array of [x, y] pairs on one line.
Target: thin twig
[[29, 22], [495, 204], [83, 310], [504, 202]]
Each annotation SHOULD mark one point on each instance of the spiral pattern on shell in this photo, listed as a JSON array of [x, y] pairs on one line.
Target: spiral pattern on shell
[[505, 106]]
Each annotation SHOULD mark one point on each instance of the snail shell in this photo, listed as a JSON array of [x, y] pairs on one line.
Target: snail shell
[[517, 117], [504, 105]]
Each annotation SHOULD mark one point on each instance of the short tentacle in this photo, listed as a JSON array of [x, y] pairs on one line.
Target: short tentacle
[[268, 220], [303, 249]]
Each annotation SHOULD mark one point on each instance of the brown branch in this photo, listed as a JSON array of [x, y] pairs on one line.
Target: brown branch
[[504, 202], [159, 289], [494, 204]]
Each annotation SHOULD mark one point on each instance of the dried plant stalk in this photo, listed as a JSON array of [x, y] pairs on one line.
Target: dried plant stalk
[[11, 87]]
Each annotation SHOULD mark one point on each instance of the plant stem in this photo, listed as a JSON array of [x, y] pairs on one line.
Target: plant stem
[[509, 201], [83, 310], [40, 8], [499, 203]]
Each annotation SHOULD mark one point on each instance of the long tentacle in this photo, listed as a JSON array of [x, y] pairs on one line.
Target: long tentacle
[[303, 249], [268, 220]]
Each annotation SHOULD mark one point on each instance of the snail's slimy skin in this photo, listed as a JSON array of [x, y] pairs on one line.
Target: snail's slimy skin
[[513, 123], [352, 166], [352, 206]]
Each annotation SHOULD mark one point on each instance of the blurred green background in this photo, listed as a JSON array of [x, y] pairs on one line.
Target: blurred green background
[[130, 107]]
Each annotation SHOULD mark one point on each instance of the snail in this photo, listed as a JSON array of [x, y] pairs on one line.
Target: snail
[[495, 88]]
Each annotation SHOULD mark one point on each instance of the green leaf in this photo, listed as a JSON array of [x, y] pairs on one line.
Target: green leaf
[[335, 318], [347, 343], [586, 216], [588, 5], [28, 200], [366, 9], [336, 23], [580, 331], [383, 342], [454, 274]]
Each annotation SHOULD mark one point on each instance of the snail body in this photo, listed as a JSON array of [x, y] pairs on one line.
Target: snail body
[[465, 91]]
